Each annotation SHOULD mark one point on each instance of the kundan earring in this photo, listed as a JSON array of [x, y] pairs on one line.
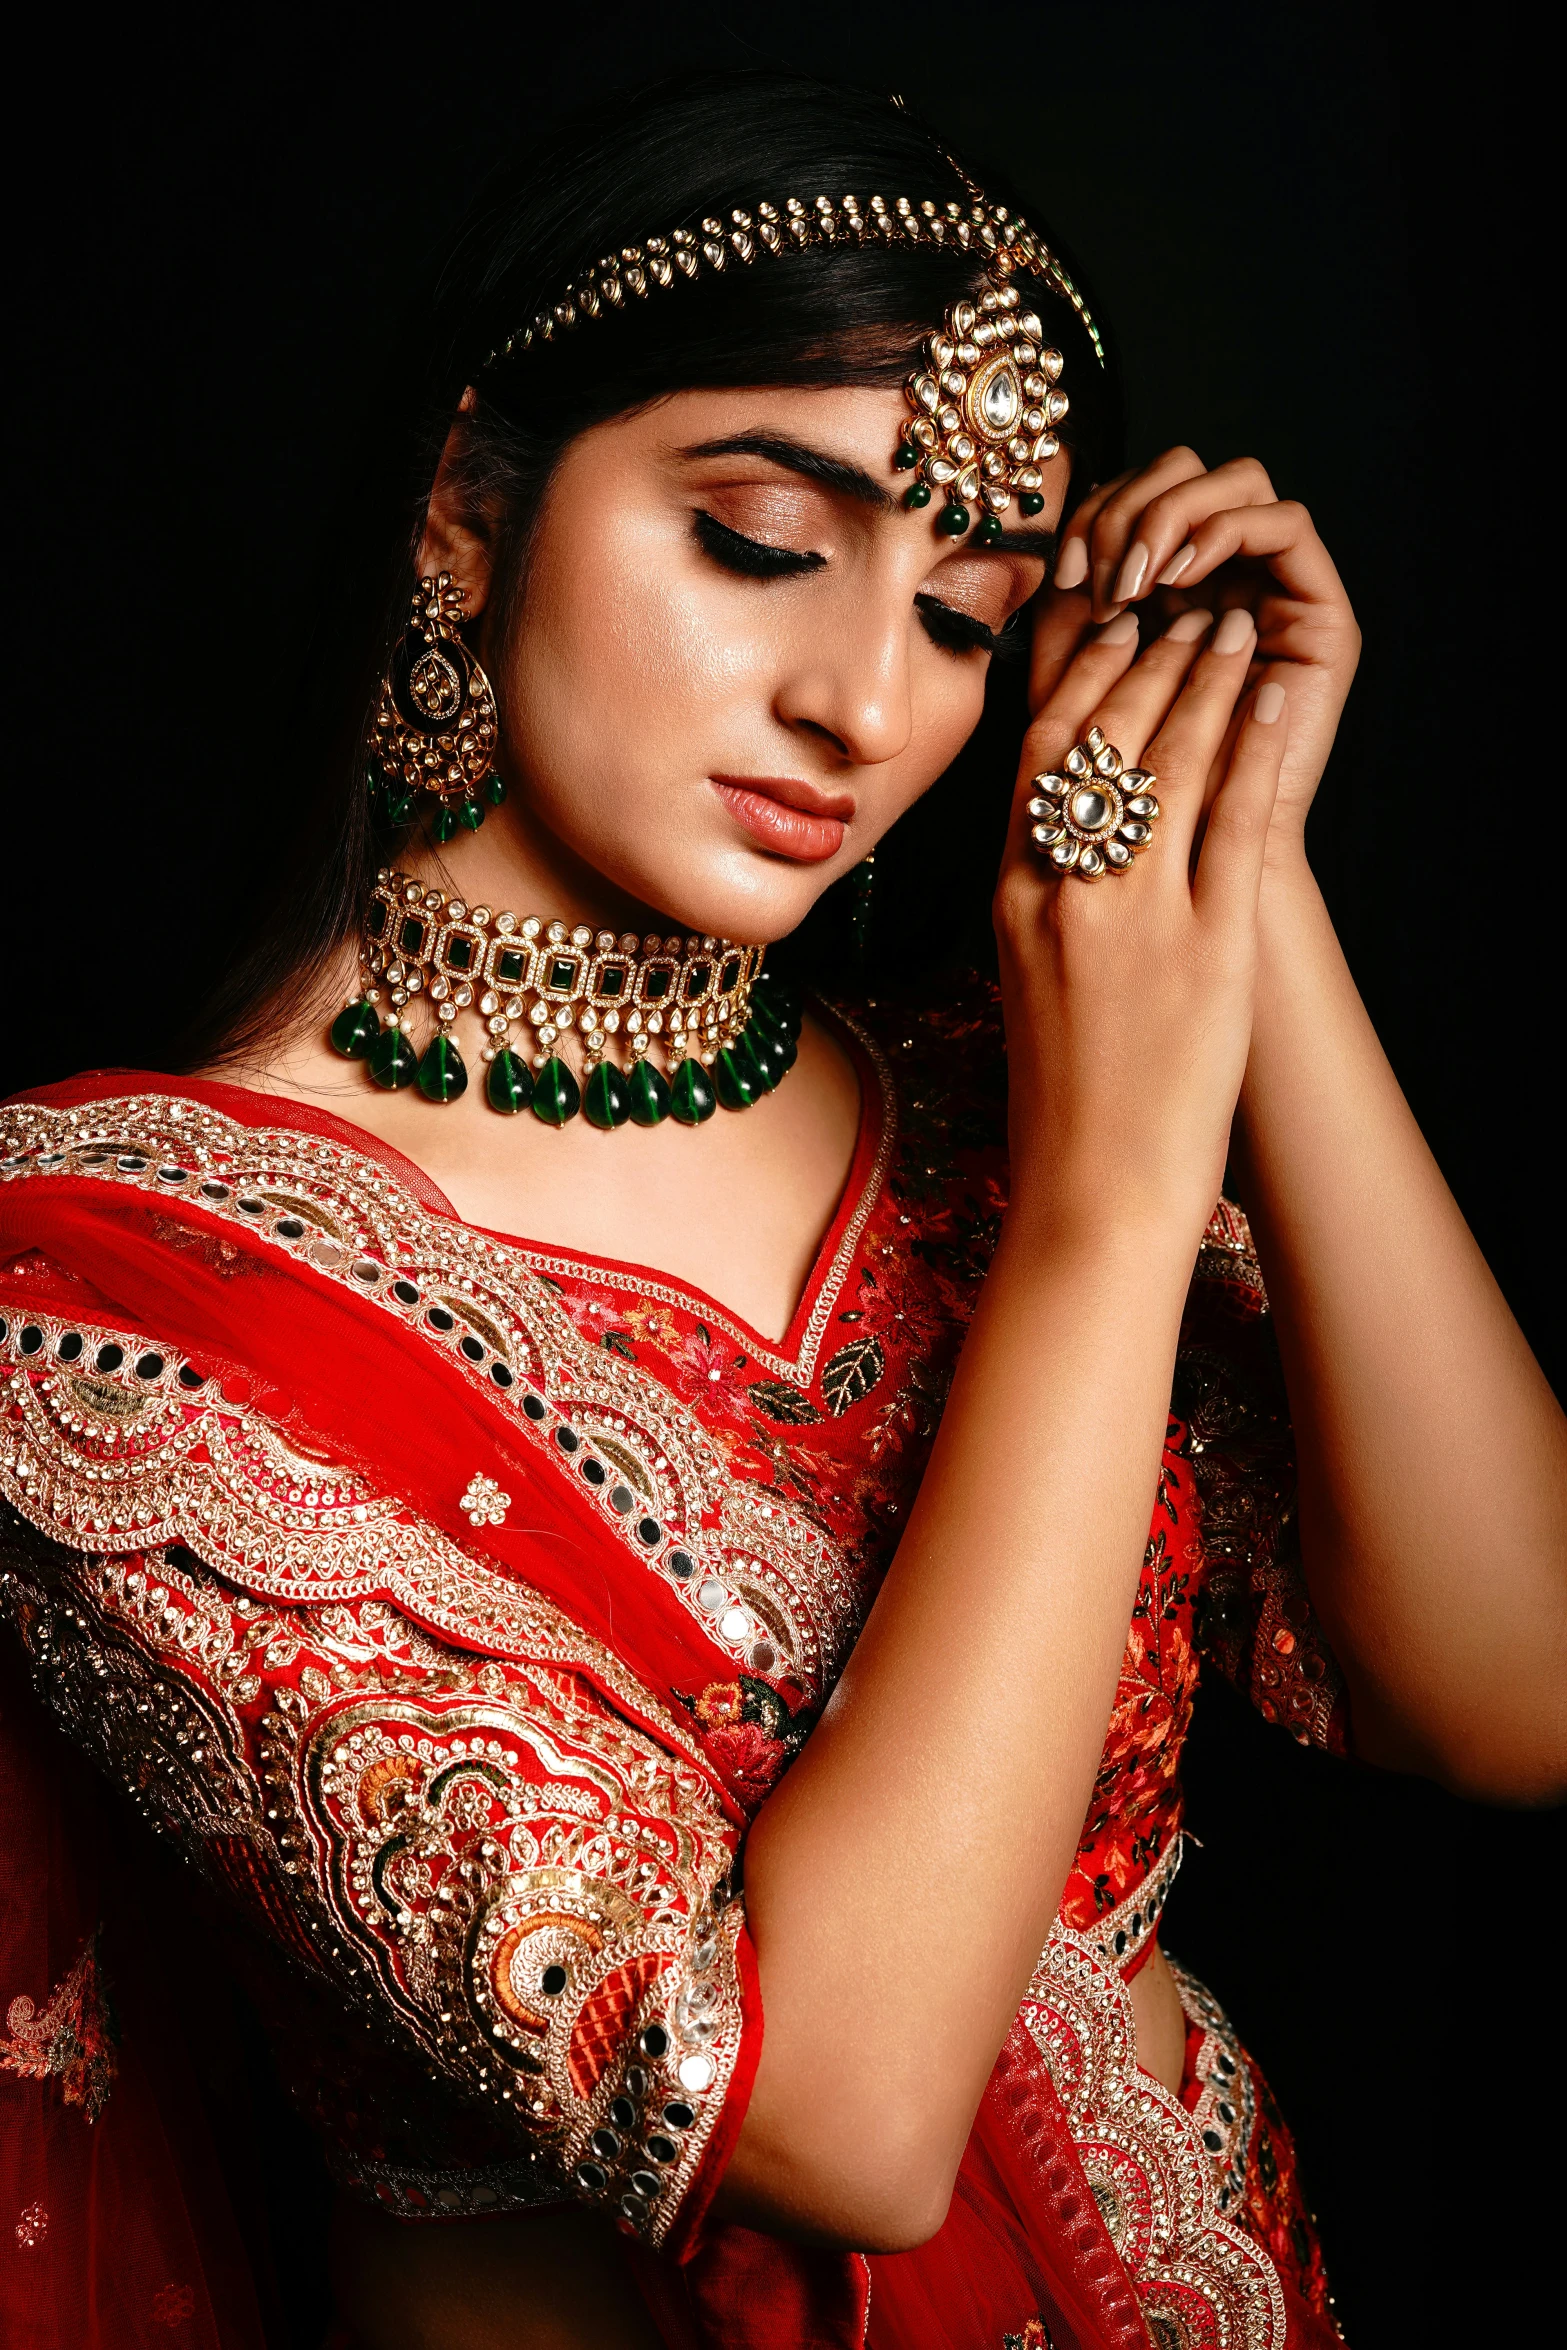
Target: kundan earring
[[435, 727]]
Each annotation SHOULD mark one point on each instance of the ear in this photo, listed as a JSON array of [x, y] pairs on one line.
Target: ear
[[457, 538]]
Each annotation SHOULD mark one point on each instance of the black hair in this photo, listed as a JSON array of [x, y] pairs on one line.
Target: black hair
[[656, 160]]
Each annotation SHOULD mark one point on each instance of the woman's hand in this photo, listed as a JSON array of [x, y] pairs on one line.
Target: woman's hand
[[1173, 535], [1128, 1000]]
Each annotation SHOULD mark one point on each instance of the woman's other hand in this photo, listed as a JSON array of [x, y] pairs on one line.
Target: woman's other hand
[[1172, 535]]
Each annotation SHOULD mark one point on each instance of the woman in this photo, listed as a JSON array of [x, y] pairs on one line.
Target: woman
[[583, 1579]]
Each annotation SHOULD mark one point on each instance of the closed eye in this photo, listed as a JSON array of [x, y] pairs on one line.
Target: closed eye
[[960, 632], [751, 558]]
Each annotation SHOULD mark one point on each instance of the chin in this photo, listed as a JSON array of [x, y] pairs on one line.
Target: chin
[[737, 893]]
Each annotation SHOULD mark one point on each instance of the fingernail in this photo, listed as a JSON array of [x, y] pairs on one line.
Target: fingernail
[[1270, 701], [1234, 631], [1174, 570], [1072, 565], [1119, 631], [1129, 578], [1189, 626]]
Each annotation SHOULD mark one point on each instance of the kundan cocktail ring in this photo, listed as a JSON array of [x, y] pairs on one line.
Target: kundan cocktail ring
[[1096, 815]]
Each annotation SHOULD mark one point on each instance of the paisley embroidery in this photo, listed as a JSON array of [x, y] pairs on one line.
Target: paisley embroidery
[[69, 2039]]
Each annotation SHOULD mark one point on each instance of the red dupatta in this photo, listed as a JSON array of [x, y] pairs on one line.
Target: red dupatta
[[274, 1315]]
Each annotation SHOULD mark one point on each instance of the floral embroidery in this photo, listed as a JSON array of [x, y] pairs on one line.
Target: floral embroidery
[[484, 1504], [69, 2039], [32, 2225], [173, 2304], [749, 1733]]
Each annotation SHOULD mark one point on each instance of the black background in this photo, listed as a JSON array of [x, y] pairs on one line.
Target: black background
[[1313, 232]]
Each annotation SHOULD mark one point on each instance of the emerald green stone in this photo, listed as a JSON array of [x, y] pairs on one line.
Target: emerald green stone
[[443, 1074], [1031, 502], [649, 1094], [443, 824], [399, 809], [755, 1053], [392, 1060], [494, 789], [470, 815], [691, 1096], [737, 1082], [953, 520], [355, 1029], [557, 1096], [509, 1085], [917, 494], [990, 531], [908, 455], [606, 1099]]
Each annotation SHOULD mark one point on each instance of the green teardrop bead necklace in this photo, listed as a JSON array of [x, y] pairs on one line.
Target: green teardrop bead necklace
[[723, 1033]]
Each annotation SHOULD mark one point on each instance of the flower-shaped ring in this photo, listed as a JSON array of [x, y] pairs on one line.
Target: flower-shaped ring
[[1095, 816]]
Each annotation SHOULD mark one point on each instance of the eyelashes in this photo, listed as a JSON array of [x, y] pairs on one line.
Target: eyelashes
[[750, 557], [953, 631]]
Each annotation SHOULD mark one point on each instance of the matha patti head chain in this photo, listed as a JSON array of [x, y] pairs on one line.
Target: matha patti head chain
[[697, 1005]]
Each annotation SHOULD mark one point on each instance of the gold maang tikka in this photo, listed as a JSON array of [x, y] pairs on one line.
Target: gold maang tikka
[[985, 404]]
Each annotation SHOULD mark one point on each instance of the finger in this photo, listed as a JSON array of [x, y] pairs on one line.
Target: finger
[[1155, 531], [1131, 710], [1229, 868], [1116, 518], [1104, 658], [1071, 563], [1278, 531], [1062, 626], [1182, 753]]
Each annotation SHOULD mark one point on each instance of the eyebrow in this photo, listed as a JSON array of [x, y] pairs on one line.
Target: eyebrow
[[849, 481]]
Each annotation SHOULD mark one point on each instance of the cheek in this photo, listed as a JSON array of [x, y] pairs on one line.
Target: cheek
[[621, 637]]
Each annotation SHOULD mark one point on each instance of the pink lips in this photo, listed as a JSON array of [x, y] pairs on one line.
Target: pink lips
[[791, 817]]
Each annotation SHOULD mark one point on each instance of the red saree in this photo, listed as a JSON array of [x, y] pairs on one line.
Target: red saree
[[452, 1603]]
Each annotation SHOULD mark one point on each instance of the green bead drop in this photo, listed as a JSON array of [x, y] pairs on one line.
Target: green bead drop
[[755, 1057], [443, 824], [557, 1097], [392, 1061], [509, 1085], [917, 494], [399, 807], [1031, 502], [737, 1084], [495, 789], [908, 455], [649, 1094], [469, 815], [691, 1096], [990, 531], [606, 1098], [953, 520], [355, 1030], [443, 1073]]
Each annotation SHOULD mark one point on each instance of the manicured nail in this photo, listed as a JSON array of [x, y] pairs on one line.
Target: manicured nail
[[1072, 565], [1189, 626], [1175, 569], [1130, 577], [1270, 701], [1234, 632], [1119, 631]]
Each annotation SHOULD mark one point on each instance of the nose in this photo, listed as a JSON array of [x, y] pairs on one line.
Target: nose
[[849, 686]]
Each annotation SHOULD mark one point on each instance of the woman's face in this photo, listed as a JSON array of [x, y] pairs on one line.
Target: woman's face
[[738, 659]]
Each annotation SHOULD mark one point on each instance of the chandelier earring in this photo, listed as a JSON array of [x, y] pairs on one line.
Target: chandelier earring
[[435, 729]]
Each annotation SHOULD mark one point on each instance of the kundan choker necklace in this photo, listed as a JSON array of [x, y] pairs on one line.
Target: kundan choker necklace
[[723, 1034]]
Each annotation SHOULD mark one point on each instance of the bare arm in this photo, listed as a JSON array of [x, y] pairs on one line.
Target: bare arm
[[902, 1880], [1433, 1458]]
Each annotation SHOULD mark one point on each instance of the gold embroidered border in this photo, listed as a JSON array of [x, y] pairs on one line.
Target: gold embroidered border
[[766, 1584], [1151, 2175]]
